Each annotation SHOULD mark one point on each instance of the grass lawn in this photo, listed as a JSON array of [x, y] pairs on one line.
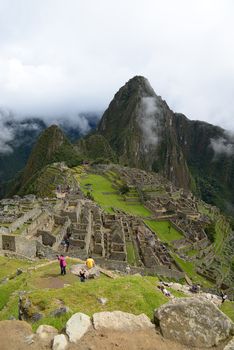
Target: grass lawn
[[189, 268], [192, 252], [100, 185], [131, 253], [222, 229], [228, 308], [9, 266], [161, 228], [132, 294]]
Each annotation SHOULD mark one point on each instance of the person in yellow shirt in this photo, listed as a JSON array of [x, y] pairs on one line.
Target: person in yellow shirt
[[90, 262]]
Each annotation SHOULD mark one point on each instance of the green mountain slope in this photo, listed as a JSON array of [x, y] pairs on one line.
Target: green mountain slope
[[145, 133], [95, 147], [52, 146]]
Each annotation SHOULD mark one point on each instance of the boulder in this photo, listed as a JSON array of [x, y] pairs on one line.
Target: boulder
[[121, 321], [230, 345], [94, 272], [28, 311], [75, 269], [194, 322], [102, 301], [60, 311], [37, 316], [60, 342], [77, 326], [46, 332]]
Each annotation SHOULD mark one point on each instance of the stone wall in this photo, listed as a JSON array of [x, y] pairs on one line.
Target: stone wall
[[60, 220], [62, 233], [37, 224], [26, 247], [154, 271], [47, 237], [18, 245], [4, 230], [45, 251], [8, 243], [24, 218]]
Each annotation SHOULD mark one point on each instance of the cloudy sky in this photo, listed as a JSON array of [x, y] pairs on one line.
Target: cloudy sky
[[60, 57]]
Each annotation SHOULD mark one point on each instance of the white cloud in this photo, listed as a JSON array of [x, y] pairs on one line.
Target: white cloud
[[223, 145], [220, 146], [58, 57], [149, 122]]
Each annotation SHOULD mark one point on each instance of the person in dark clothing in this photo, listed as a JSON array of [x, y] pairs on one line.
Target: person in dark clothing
[[66, 244], [223, 296], [82, 275]]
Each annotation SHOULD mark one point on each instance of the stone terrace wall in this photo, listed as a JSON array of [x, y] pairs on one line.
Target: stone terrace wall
[[20, 245], [47, 237], [154, 271], [24, 218], [26, 247], [37, 224]]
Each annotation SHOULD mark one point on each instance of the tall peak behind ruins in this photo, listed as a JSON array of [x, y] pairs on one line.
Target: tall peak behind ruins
[[138, 126], [145, 133]]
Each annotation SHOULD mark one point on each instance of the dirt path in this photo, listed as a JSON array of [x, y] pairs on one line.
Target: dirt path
[[109, 340], [14, 335]]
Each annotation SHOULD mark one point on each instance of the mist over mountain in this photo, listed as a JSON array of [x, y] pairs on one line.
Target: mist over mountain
[[139, 130], [145, 133], [18, 136]]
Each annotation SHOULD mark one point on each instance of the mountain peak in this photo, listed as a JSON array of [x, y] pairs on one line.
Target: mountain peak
[[49, 144], [137, 85]]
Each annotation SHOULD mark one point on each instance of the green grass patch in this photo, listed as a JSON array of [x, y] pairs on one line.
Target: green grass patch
[[222, 229], [7, 289], [190, 269], [131, 253], [164, 230], [9, 266], [192, 252], [100, 185], [228, 308], [130, 294]]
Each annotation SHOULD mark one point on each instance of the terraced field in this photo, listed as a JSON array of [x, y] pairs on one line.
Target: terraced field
[[108, 197], [164, 230]]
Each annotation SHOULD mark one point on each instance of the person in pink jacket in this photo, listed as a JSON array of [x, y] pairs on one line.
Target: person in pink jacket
[[62, 263]]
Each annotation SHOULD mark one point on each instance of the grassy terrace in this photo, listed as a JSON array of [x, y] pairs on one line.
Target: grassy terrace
[[131, 254], [161, 228], [46, 291], [189, 268], [108, 198], [45, 286], [222, 229], [9, 266]]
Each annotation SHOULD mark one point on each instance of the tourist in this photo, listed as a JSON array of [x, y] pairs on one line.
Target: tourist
[[90, 262], [194, 289], [66, 244], [223, 296], [82, 275], [166, 292], [62, 263], [128, 270]]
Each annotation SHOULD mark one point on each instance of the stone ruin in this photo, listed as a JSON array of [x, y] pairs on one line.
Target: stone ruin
[[39, 228], [31, 226]]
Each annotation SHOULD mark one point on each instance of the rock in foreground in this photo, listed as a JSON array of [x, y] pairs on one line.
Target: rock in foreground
[[60, 342], [77, 326], [121, 321], [46, 332], [194, 322]]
